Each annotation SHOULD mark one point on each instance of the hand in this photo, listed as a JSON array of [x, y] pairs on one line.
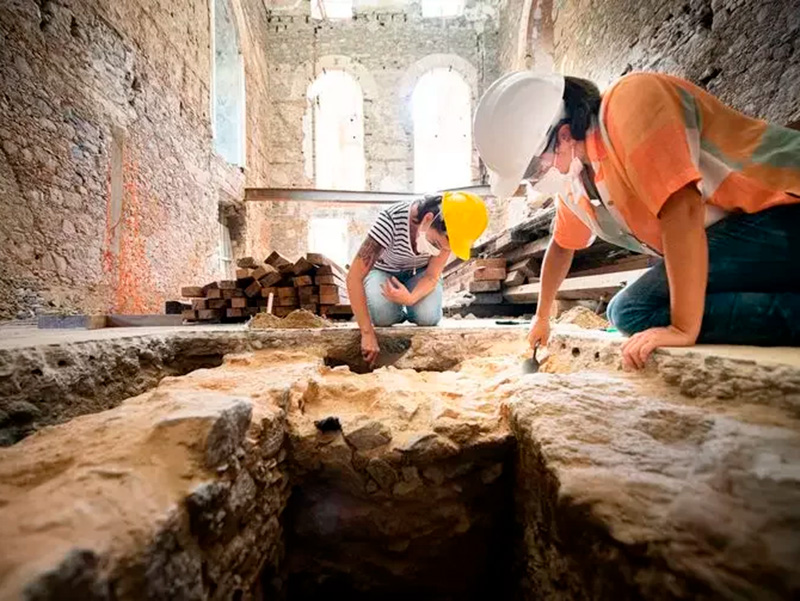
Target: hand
[[370, 347], [396, 292], [639, 346], [540, 331]]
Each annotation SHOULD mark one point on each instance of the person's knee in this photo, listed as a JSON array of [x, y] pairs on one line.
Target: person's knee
[[626, 314], [427, 316], [427, 312], [384, 313]]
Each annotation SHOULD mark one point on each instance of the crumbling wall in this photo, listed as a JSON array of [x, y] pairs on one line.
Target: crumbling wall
[[386, 50], [745, 52], [109, 185]]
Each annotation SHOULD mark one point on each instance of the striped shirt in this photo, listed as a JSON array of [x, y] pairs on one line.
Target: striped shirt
[[392, 231]]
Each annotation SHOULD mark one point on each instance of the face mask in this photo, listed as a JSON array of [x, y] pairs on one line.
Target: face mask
[[424, 247], [554, 182]]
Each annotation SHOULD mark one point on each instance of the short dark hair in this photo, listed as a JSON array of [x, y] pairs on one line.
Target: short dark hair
[[432, 203], [582, 102]]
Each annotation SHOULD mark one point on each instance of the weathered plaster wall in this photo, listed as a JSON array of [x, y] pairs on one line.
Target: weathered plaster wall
[[745, 51], [109, 187], [387, 49]]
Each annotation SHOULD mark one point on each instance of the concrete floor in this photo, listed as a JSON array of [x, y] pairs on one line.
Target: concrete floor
[[21, 336]]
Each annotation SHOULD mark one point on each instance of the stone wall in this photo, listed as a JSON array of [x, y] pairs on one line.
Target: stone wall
[[745, 52], [109, 187], [386, 50]]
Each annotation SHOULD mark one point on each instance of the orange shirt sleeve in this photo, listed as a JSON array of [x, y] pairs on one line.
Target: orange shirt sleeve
[[654, 128], [568, 231]]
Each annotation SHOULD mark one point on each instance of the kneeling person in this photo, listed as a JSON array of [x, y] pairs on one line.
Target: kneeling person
[[397, 271]]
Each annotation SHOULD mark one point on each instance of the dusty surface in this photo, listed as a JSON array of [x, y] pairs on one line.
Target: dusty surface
[[47, 377], [627, 489], [298, 319], [185, 476], [583, 318], [676, 483]]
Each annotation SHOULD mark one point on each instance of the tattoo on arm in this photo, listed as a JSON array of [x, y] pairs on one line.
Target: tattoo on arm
[[369, 252]]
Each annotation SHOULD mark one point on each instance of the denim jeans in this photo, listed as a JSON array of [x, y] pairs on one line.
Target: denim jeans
[[753, 292], [427, 312]]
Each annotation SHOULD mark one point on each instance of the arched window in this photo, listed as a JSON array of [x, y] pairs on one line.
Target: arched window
[[338, 114], [228, 87], [441, 109]]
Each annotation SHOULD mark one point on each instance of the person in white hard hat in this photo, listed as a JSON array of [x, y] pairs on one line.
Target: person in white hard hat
[[659, 166]]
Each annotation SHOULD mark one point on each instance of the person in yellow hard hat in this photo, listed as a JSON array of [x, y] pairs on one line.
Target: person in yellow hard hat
[[397, 271]]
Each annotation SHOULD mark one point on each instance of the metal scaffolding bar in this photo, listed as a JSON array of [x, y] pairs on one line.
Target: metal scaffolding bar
[[338, 196]]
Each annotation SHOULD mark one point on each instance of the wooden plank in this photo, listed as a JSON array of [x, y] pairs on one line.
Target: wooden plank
[[330, 270], [213, 293], [303, 280], [490, 263], [238, 303], [277, 260], [487, 298], [580, 288], [323, 261], [244, 273], [71, 322], [514, 278], [267, 275], [227, 284], [535, 249], [265, 292], [218, 303], [245, 262], [142, 321], [626, 264], [489, 273], [235, 293], [233, 313], [199, 304], [189, 315], [192, 292], [287, 292], [485, 286], [286, 302], [253, 289], [529, 266], [301, 266], [328, 279]]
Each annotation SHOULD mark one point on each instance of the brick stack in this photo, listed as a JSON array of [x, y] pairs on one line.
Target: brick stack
[[314, 283]]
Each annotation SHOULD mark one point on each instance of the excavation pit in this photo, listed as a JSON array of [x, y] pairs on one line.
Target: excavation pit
[[279, 476]]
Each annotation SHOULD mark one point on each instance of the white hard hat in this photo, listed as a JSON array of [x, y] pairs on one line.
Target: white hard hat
[[513, 123]]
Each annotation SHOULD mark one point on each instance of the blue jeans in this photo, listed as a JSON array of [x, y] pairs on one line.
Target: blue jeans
[[753, 292], [427, 312]]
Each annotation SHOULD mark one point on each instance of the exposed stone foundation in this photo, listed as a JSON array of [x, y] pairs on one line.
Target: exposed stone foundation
[[276, 476]]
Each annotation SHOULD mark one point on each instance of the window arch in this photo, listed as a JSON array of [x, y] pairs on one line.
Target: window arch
[[441, 113], [228, 93], [338, 128]]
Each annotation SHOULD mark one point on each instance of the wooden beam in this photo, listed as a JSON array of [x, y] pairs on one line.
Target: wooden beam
[[535, 249], [588, 287]]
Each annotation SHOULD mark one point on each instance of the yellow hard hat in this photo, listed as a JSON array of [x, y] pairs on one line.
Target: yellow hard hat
[[466, 218]]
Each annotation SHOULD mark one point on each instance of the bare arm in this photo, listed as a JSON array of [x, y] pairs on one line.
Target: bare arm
[[683, 234], [428, 281], [367, 256], [557, 261]]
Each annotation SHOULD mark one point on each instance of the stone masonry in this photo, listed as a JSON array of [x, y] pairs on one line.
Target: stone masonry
[[109, 184]]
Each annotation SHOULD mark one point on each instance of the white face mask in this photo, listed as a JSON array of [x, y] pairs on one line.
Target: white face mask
[[424, 247], [554, 182]]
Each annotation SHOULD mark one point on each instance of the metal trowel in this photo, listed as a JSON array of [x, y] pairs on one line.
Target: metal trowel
[[531, 366]]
